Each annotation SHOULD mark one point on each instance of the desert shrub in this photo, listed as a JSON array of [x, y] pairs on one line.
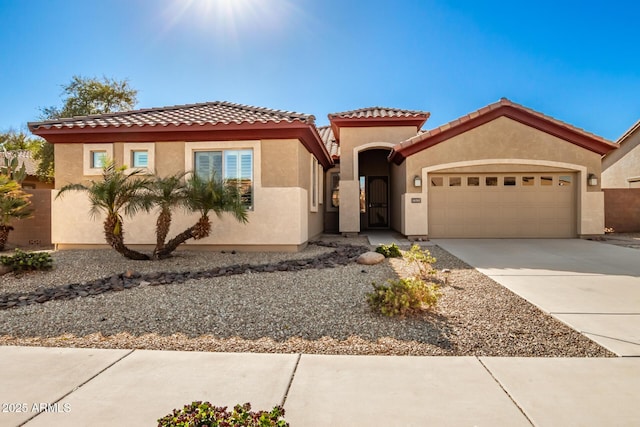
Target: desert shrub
[[403, 296], [422, 259], [199, 414], [23, 261], [389, 251]]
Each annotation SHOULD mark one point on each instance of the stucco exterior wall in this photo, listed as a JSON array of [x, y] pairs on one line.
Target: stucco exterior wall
[[280, 163], [623, 164], [502, 138], [169, 157], [68, 164], [281, 213]]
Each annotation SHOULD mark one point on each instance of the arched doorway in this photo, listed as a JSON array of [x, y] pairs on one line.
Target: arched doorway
[[374, 180]]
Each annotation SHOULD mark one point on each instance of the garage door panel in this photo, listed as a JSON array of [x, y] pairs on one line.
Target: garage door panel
[[532, 210]]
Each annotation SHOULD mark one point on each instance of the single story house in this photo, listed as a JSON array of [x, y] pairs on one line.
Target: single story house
[[621, 167], [502, 171], [621, 183]]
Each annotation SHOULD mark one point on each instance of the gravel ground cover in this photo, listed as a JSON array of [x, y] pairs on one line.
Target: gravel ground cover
[[320, 311]]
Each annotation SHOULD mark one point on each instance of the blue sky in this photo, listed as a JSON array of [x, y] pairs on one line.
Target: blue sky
[[576, 61]]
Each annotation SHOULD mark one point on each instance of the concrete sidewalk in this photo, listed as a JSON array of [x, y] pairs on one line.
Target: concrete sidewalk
[[591, 286], [81, 387]]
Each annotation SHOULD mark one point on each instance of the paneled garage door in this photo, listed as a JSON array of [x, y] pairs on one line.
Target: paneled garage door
[[502, 205]]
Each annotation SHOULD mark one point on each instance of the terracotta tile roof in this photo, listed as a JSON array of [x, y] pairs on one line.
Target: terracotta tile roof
[[209, 113], [423, 137], [378, 112], [329, 140], [24, 157]]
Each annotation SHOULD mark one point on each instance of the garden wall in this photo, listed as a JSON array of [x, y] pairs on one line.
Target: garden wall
[[34, 232], [622, 209]]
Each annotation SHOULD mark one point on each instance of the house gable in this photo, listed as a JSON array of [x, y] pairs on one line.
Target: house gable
[[502, 108]]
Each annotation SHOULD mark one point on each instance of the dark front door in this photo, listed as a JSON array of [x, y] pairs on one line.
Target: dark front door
[[378, 201]]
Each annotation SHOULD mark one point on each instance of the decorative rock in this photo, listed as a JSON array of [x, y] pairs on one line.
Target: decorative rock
[[370, 258], [131, 274], [131, 279]]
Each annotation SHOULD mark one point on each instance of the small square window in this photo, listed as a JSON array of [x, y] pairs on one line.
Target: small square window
[[528, 181], [98, 159], [509, 181], [546, 180], [564, 180], [455, 181], [491, 181], [473, 181], [436, 181], [139, 159]]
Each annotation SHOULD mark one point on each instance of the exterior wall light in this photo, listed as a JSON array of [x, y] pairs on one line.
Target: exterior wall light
[[592, 180], [417, 181]]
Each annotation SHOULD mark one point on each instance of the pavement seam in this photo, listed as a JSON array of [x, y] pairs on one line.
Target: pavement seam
[[79, 386], [506, 392], [293, 374]]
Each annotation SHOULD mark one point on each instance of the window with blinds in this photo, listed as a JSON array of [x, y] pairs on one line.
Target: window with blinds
[[234, 166]]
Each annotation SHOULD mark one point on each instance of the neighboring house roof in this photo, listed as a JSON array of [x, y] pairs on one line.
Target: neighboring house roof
[[329, 141], [628, 133], [613, 157], [506, 108], [194, 122], [24, 157], [376, 116]]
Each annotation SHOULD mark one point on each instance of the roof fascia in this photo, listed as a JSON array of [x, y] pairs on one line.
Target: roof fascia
[[306, 133]]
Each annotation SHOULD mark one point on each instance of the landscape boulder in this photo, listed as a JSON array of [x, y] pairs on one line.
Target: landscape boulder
[[370, 258]]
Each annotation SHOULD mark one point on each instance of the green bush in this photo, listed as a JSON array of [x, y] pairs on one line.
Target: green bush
[[422, 259], [23, 261], [389, 251], [199, 414], [403, 296]]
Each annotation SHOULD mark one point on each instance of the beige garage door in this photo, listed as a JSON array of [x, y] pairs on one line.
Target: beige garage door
[[502, 205]]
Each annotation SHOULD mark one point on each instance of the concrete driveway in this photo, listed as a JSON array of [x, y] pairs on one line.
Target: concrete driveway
[[591, 286]]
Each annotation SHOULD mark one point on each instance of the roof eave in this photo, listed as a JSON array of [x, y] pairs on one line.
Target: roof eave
[[305, 132]]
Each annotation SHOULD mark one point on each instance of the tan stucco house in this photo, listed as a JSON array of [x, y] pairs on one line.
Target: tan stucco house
[[502, 171], [621, 168]]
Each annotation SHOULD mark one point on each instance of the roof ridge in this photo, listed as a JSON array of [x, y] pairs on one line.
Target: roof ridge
[[245, 107], [377, 107]]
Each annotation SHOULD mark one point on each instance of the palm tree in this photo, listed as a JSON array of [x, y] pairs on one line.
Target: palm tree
[[14, 204], [204, 196], [166, 193], [117, 192]]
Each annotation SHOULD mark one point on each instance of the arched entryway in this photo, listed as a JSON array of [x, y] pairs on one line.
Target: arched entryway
[[374, 177]]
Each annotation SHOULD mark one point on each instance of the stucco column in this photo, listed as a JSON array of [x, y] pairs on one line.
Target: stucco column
[[349, 206]]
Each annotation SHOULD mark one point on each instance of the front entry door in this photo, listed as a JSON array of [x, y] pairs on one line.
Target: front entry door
[[378, 202]]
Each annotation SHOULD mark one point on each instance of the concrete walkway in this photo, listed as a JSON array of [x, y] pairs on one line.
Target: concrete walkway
[[81, 387], [591, 286]]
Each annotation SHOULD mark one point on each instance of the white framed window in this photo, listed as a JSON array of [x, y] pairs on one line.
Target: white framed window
[[333, 190], [139, 155], [94, 157], [234, 166], [313, 199]]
